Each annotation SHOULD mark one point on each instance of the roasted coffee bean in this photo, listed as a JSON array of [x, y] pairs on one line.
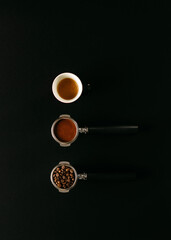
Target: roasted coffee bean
[[63, 177]]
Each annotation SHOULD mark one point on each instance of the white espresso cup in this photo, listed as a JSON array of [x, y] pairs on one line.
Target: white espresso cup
[[59, 78]]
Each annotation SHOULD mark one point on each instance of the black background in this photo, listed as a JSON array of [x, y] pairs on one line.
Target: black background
[[123, 51]]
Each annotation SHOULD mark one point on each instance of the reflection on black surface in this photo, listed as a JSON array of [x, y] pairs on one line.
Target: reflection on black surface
[[116, 173]]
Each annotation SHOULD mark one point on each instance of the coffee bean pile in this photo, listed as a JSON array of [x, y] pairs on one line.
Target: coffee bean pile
[[63, 176]]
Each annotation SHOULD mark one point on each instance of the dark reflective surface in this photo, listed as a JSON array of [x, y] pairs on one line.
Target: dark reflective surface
[[123, 52]]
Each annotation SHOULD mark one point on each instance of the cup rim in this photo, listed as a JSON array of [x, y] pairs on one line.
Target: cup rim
[[61, 76]]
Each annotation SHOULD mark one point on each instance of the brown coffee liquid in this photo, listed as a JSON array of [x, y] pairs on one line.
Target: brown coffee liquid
[[67, 88], [65, 130]]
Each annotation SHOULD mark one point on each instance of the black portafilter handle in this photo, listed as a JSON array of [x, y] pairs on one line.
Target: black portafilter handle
[[118, 177], [113, 130]]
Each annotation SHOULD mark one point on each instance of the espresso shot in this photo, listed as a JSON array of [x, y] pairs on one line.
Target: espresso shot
[[67, 88]]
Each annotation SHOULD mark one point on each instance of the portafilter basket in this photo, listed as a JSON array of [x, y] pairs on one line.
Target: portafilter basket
[[98, 177], [91, 130], [81, 176]]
